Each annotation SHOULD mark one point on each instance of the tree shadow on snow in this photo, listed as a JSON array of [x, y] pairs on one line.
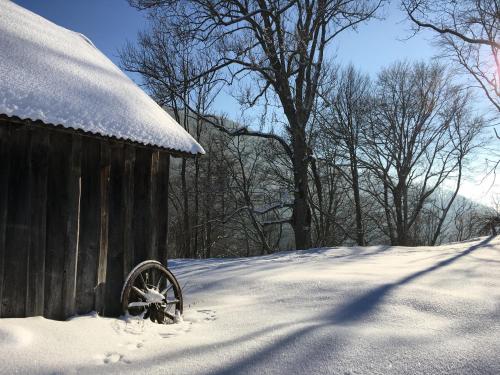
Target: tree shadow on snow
[[363, 305], [184, 268], [298, 346]]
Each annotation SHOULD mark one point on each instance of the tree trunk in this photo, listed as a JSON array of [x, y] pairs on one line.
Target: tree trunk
[[301, 219], [207, 207], [321, 240], [387, 210], [401, 212], [185, 212], [360, 236], [196, 202], [400, 230], [450, 202]]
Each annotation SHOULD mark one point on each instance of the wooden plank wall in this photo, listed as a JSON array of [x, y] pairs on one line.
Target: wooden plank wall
[[77, 213], [90, 202], [4, 192], [38, 182], [115, 270], [57, 217], [17, 236]]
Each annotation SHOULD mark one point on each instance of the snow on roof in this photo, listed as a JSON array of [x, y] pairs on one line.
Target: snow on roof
[[58, 76]]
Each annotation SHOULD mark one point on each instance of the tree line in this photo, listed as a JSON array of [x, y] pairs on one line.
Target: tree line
[[328, 156]]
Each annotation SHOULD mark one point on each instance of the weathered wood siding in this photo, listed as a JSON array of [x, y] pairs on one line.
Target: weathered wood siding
[[77, 213]]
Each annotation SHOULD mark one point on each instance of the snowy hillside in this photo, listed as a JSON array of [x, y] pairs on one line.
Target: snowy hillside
[[375, 310]]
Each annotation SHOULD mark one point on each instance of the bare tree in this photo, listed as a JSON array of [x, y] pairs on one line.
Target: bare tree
[[466, 220], [279, 45], [419, 134], [344, 122], [257, 205], [329, 196], [468, 31]]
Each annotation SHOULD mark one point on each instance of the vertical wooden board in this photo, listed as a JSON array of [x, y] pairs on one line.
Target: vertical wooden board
[[72, 228], [4, 190], [17, 241], [38, 184], [114, 274], [141, 222], [88, 248], [154, 209], [128, 209], [163, 176], [100, 293], [57, 215]]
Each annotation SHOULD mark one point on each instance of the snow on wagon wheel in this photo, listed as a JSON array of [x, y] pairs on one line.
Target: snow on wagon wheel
[[152, 291]]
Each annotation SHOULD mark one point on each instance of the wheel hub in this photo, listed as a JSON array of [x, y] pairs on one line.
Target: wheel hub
[[153, 296]]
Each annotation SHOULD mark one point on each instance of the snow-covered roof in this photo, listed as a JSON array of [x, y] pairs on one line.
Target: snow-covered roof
[[58, 76]]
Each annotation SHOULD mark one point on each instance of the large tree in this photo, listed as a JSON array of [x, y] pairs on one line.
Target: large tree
[[276, 46], [468, 32], [344, 122], [421, 130]]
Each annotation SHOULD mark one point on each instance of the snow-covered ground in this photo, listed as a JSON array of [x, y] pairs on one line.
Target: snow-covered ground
[[374, 310]]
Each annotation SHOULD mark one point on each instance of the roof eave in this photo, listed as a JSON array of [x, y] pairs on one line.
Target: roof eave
[[59, 127]]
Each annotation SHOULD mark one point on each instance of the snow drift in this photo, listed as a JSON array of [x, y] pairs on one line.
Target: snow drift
[[373, 310]]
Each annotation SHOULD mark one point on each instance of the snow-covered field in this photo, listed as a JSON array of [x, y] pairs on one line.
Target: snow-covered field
[[374, 310]]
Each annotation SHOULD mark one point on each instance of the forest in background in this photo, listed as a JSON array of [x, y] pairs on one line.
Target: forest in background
[[327, 156]]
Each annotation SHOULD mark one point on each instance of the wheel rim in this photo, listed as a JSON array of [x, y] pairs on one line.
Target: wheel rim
[[152, 292]]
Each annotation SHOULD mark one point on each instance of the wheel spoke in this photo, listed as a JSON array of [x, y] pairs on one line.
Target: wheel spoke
[[138, 291], [165, 291], [171, 316], [152, 273], [143, 282], [138, 304], [159, 283], [172, 302]]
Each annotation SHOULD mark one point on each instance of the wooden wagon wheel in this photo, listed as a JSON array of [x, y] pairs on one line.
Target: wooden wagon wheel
[[153, 292]]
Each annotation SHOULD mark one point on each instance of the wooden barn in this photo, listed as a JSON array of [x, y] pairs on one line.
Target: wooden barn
[[84, 169]]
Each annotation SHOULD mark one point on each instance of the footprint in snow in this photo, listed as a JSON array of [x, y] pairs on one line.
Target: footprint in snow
[[207, 315], [131, 345], [186, 324], [114, 358], [172, 330], [167, 335], [131, 325]]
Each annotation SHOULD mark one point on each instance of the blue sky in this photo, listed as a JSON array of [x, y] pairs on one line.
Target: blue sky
[[110, 23]]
